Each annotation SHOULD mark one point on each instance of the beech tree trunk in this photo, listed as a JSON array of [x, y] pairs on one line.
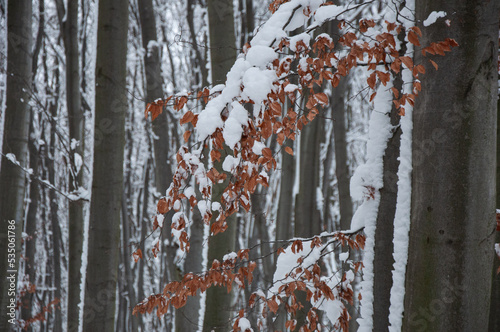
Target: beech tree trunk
[[15, 141], [218, 306], [383, 260], [307, 214], [107, 185], [453, 202], [494, 324], [76, 122]]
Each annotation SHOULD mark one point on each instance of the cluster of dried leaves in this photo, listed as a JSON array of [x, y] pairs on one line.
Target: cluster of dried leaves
[[311, 66]]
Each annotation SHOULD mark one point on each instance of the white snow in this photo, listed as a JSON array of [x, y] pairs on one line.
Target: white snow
[[230, 163], [233, 127], [432, 18], [257, 84], [261, 56], [258, 147], [160, 218], [244, 325], [302, 37]]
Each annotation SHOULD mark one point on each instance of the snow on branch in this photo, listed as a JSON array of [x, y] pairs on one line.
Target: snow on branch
[[243, 114]]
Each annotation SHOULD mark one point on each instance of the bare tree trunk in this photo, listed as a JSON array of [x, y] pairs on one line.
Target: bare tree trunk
[[307, 214], [383, 260], [15, 142], [450, 255], [107, 184], [54, 208], [69, 30], [494, 324], [218, 312], [341, 162]]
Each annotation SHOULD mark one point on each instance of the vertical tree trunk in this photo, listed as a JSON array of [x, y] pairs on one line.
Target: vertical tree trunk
[[383, 260], [494, 324], [341, 162], [15, 141], [222, 54], [307, 214], [54, 210], [31, 222], [453, 202], [76, 136], [107, 184]]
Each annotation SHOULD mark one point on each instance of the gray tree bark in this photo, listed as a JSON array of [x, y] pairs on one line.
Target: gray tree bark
[[15, 141], [54, 208], [107, 185], [218, 312], [69, 31], [307, 214], [494, 324], [341, 161], [454, 147], [383, 260]]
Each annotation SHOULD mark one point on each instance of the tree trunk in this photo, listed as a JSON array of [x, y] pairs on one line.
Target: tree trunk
[[494, 324], [453, 202], [15, 141], [54, 209], [383, 260], [307, 214], [107, 184], [218, 307], [341, 161], [76, 136]]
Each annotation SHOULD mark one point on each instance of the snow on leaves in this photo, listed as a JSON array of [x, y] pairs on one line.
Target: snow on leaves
[[243, 114]]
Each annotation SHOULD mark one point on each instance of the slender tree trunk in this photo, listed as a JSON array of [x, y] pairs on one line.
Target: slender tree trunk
[[200, 61], [107, 184], [450, 255], [76, 119], [54, 210], [31, 223], [307, 214], [384, 233], [494, 324], [15, 141], [341, 162], [218, 306]]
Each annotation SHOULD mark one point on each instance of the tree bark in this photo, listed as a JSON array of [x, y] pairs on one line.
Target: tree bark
[[383, 260], [494, 324], [307, 214], [69, 29], [453, 202], [15, 141], [107, 185], [218, 306], [341, 161]]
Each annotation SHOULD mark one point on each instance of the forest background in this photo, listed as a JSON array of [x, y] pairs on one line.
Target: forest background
[[340, 127]]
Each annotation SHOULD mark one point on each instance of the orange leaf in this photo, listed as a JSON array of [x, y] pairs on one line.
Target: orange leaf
[[266, 152], [137, 255], [372, 80], [413, 38], [162, 206], [322, 98], [186, 135], [407, 61], [289, 150], [187, 117], [434, 64]]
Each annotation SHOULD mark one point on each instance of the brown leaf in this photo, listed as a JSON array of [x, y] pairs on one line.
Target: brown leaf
[[162, 206], [186, 135], [434, 64], [413, 38], [187, 117]]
